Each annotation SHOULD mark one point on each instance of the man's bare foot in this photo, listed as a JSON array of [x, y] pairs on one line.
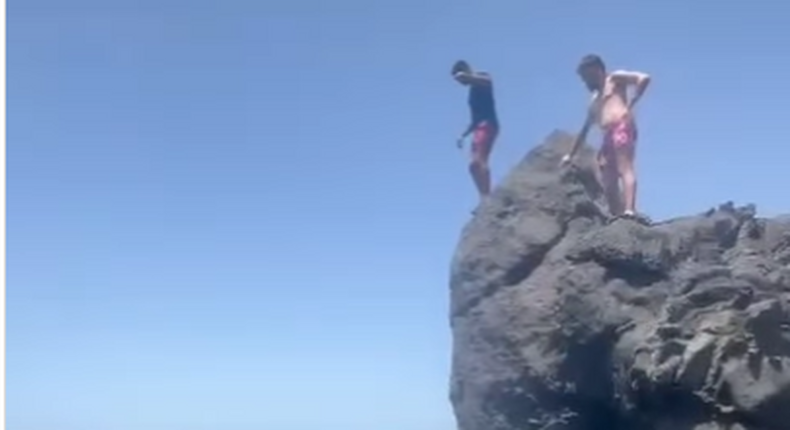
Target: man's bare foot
[[635, 216], [630, 215], [480, 204]]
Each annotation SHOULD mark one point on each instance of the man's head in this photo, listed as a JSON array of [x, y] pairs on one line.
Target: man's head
[[461, 66], [592, 70]]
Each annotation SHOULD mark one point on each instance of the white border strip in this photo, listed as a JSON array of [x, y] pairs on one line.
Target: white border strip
[[3, 211]]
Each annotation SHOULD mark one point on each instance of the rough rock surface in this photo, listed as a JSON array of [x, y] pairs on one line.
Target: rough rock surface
[[564, 322]]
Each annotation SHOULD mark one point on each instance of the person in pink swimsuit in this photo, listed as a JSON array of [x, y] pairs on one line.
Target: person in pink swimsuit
[[612, 109]]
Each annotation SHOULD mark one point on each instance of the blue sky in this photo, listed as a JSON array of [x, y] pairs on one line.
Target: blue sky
[[240, 214]]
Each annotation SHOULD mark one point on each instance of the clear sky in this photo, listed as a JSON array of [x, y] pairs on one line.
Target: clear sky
[[239, 215]]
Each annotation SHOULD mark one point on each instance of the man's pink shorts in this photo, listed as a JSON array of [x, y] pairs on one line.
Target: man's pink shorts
[[620, 137], [484, 137]]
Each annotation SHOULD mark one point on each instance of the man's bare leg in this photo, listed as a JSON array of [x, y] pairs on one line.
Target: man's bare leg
[[481, 151], [611, 185], [625, 169], [481, 173]]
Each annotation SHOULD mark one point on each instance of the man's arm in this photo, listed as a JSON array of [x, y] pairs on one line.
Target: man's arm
[[588, 122], [639, 80], [480, 78], [468, 130]]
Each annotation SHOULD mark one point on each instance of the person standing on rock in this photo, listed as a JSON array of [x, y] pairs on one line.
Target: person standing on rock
[[612, 110], [484, 124]]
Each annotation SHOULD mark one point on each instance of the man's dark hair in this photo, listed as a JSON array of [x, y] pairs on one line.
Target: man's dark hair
[[591, 60], [461, 66]]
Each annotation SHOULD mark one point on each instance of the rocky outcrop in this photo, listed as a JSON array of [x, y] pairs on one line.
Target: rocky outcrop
[[563, 321]]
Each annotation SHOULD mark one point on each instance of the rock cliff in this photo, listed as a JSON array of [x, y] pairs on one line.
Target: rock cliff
[[562, 321]]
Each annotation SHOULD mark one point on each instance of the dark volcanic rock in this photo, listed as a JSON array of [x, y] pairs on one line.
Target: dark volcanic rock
[[564, 322]]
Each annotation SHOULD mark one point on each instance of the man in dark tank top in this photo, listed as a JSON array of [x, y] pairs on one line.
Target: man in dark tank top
[[484, 125]]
